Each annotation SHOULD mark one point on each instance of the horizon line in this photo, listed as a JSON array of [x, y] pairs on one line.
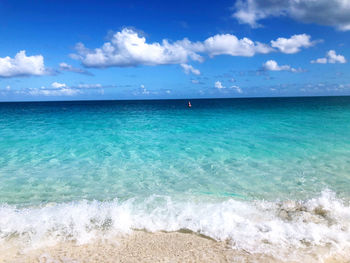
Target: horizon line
[[214, 98]]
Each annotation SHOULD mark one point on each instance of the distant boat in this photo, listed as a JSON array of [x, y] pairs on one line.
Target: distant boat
[[189, 104]]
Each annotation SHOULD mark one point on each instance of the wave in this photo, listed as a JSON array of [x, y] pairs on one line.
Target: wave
[[276, 228]]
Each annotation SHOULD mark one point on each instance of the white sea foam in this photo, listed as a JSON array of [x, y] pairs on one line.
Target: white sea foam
[[276, 228]]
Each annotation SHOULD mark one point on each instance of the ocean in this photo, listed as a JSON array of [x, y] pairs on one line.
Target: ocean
[[267, 175]]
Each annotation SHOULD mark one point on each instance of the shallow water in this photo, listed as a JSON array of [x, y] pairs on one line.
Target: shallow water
[[224, 168]]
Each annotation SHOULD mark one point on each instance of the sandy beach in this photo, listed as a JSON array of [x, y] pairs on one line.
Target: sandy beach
[[141, 246]]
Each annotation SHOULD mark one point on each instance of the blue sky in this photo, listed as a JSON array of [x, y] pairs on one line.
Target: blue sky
[[72, 50]]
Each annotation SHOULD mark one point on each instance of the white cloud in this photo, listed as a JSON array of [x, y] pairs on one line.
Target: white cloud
[[89, 86], [190, 69], [325, 87], [272, 65], [334, 58], [320, 61], [22, 65], [55, 92], [127, 48], [293, 44], [62, 89], [144, 90], [331, 57], [195, 81], [56, 89], [237, 89], [8, 87], [324, 12], [57, 85], [67, 67], [227, 44], [219, 85]]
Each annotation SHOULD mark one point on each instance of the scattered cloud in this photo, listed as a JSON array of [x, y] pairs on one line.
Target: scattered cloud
[[272, 65], [67, 67], [324, 12], [61, 89], [226, 90], [331, 57], [56, 89], [89, 86], [227, 44], [199, 81], [237, 89], [326, 88], [219, 85], [128, 48], [319, 61], [190, 69], [57, 85], [144, 90], [22, 65], [293, 44]]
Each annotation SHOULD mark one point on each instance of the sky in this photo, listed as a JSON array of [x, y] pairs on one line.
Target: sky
[[112, 50]]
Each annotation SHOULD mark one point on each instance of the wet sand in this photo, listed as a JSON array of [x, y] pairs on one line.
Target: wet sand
[[142, 246]]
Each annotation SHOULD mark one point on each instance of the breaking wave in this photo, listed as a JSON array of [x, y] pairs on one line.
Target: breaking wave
[[274, 228]]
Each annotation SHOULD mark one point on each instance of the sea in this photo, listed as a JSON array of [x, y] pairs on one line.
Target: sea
[[266, 175]]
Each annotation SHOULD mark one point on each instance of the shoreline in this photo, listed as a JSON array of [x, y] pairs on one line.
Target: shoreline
[[142, 246]]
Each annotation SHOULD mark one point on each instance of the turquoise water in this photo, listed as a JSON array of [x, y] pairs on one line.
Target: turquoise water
[[245, 149], [235, 155]]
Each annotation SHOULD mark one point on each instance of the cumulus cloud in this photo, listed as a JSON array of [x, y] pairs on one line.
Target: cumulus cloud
[[226, 44], [218, 85], [67, 67], [22, 65], [324, 12], [331, 57], [127, 48], [190, 69], [272, 65], [293, 44]]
